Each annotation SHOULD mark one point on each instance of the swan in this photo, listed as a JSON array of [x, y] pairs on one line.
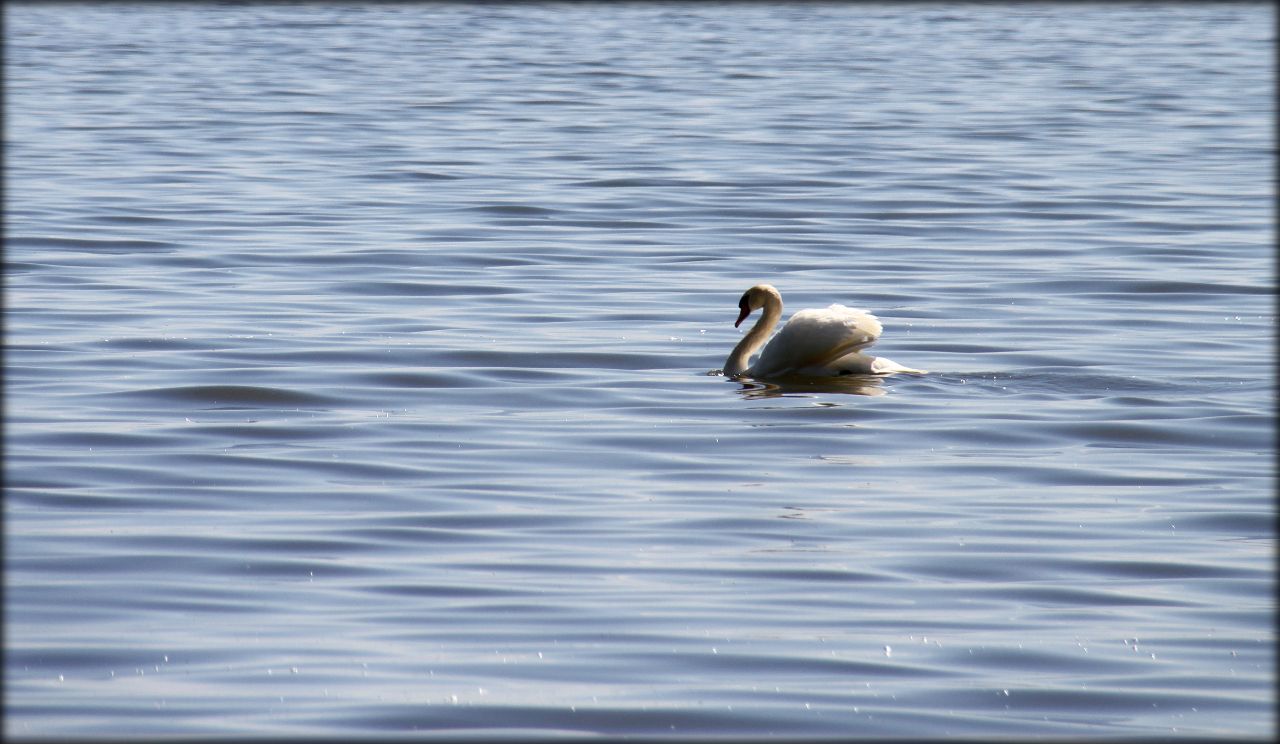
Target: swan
[[820, 343]]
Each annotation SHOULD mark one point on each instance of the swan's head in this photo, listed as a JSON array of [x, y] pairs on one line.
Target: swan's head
[[754, 299]]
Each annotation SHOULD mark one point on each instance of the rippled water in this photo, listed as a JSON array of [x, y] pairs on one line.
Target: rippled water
[[357, 370]]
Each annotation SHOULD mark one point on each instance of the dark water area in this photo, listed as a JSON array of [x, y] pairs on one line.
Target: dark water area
[[360, 371]]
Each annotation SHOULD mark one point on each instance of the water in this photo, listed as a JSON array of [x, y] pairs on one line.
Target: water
[[357, 370]]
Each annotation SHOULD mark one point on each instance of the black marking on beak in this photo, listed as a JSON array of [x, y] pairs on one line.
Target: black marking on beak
[[744, 309]]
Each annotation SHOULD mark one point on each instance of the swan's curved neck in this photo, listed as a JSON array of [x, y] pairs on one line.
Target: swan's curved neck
[[738, 359]]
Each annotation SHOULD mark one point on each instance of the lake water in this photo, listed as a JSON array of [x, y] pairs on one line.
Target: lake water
[[357, 370]]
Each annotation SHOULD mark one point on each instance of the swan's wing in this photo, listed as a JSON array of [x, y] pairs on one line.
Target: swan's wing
[[816, 338]]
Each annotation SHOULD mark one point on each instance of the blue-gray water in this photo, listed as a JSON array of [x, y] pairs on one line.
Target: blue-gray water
[[356, 370]]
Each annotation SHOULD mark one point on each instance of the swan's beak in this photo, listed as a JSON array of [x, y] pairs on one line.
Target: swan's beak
[[742, 315]]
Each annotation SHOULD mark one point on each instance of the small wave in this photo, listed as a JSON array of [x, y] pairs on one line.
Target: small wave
[[638, 182], [433, 378], [418, 176], [92, 245], [251, 396], [421, 289], [515, 209]]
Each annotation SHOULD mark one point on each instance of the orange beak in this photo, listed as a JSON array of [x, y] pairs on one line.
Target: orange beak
[[745, 310]]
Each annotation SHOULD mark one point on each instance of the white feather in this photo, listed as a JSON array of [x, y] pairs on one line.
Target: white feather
[[814, 342]]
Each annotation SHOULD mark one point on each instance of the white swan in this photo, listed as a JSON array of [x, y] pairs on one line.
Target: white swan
[[821, 343]]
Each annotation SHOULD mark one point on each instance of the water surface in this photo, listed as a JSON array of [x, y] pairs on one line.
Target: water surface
[[356, 371]]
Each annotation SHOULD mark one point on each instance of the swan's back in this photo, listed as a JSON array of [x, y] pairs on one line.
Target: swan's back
[[814, 339]]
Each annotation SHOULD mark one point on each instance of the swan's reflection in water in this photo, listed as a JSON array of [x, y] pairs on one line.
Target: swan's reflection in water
[[801, 385]]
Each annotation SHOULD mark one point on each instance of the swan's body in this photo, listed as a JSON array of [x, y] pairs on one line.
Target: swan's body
[[818, 343]]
